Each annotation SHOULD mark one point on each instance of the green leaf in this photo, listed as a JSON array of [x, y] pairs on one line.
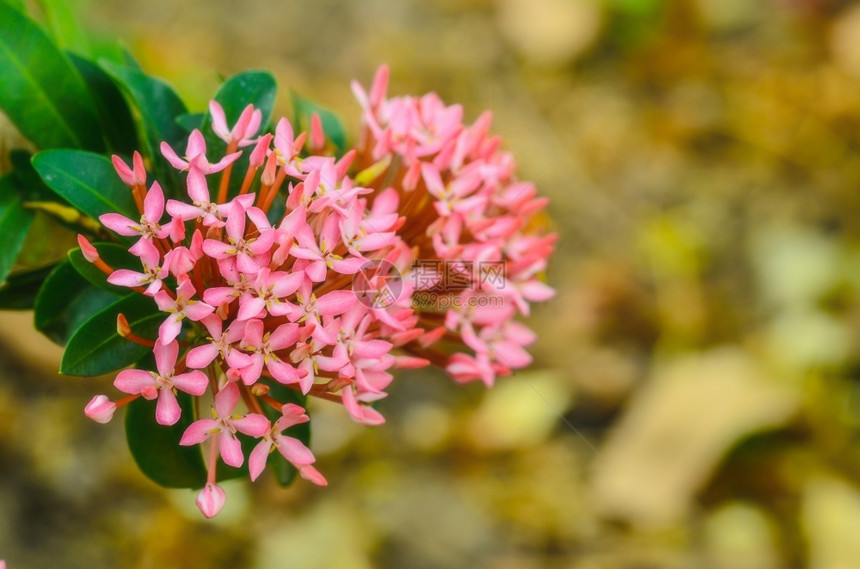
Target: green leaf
[[64, 25], [190, 121], [65, 301], [16, 4], [256, 88], [116, 120], [41, 92], [116, 257], [20, 289], [303, 109], [14, 224], [96, 347], [87, 181], [158, 104], [33, 189], [156, 447]]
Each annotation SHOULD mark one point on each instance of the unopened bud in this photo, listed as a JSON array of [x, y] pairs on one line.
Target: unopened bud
[[87, 248], [100, 409], [122, 326], [211, 499], [317, 133], [259, 389]]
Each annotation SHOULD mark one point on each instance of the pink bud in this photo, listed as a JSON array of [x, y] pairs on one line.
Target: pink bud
[[211, 499], [258, 155], [90, 252], [317, 133], [100, 409]]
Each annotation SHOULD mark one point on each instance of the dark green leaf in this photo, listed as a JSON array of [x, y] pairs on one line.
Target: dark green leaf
[[116, 120], [41, 92], [14, 223], [20, 289], [116, 257], [65, 301], [33, 189], [158, 104], [156, 447], [87, 181], [333, 128], [190, 121], [96, 347]]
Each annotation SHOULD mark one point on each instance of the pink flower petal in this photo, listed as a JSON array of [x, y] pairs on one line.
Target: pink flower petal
[[194, 382], [231, 450], [167, 410], [133, 380], [258, 458], [252, 424], [294, 450], [198, 431]]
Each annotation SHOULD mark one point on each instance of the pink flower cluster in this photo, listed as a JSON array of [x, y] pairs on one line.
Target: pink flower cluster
[[476, 229], [250, 300]]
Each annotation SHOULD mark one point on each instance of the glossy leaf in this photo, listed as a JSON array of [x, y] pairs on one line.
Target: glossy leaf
[[64, 25], [96, 347], [14, 223], [190, 121], [20, 289], [41, 92], [156, 447], [303, 109], [158, 104], [87, 181], [116, 257], [65, 301], [116, 120]]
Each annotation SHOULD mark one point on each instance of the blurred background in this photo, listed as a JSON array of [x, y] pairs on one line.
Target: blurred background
[[695, 399]]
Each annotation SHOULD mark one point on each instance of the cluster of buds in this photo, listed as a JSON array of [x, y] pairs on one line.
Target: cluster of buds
[[306, 300]]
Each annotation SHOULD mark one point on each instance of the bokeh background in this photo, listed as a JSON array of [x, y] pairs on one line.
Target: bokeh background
[[694, 400]]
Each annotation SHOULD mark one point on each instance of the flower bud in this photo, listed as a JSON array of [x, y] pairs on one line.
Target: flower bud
[[100, 409], [211, 499]]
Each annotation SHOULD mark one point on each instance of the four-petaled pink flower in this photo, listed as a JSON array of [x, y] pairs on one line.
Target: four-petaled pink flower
[[226, 425], [161, 384], [290, 448], [183, 306]]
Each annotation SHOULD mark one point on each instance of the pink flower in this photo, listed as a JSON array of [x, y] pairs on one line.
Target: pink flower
[[152, 274], [135, 176], [290, 448], [195, 156], [263, 347], [226, 425], [148, 227], [161, 384], [243, 131], [183, 306]]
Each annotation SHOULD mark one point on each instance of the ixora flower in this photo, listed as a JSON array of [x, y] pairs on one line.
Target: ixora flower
[[258, 285]]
